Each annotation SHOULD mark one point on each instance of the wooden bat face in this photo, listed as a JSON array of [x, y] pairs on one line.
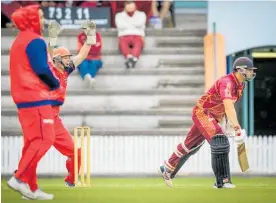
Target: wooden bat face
[[242, 157]]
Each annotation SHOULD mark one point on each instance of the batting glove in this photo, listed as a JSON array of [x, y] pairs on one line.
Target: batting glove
[[240, 135]]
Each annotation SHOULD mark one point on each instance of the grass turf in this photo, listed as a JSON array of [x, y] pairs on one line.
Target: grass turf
[[145, 190]]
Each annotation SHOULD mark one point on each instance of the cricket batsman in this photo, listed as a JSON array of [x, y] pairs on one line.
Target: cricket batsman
[[32, 82], [64, 66], [211, 108]]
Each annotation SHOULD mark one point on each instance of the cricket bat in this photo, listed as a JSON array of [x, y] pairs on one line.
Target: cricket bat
[[242, 157]]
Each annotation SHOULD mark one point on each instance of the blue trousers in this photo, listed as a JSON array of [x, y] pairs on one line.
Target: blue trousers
[[90, 67]]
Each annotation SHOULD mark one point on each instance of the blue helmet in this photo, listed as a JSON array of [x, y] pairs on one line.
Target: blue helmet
[[242, 64]]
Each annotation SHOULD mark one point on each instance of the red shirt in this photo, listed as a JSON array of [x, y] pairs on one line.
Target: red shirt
[[26, 87], [227, 87], [95, 51], [60, 93]]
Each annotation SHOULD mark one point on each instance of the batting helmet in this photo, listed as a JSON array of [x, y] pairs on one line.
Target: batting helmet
[[61, 52], [242, 64]]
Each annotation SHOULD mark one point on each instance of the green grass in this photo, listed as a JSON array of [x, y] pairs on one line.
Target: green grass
[[145, 190]]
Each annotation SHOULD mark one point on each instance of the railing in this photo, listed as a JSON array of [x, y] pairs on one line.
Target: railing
[[133, 155]]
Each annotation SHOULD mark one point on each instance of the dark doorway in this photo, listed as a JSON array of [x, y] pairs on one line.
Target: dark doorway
[[265, 96]]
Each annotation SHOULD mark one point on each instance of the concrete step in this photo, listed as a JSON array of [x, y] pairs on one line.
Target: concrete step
[[175, 123], [169, 62], [145, 61], [149, 51], [190, 17], [186, 42], [111, 70], [99, 112], [111, 121], [110, 44], [123, 92], [191, 82], [116, 102], [128, 82], [177, 103], [121, 132], [190, 29]]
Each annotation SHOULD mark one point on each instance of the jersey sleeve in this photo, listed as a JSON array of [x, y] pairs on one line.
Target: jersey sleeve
[[37, 55], [225, 89]]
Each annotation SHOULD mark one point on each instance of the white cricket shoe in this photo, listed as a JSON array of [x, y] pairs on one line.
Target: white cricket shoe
[[40, 195], [226, 185], [89, 81], [166, 175], [92, 83], [21, 187]]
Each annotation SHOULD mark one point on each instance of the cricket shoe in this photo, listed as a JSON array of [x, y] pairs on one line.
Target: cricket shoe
[[67, 184], [225, 185], [165, 173], [21, 187], [40, 195]]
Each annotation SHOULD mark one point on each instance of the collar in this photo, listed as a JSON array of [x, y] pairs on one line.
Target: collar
[[239, 85]]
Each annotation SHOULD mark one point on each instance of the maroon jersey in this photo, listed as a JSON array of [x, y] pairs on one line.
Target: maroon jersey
[[227, 87]]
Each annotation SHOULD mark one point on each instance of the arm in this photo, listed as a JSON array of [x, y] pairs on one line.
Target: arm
[[225, 91], [37, 54], [141, 23], [121, 24], [82, 54], [50, 50], [231, 112], [165, 8]]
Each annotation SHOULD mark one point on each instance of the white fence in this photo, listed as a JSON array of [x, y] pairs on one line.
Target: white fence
[[133, 155]]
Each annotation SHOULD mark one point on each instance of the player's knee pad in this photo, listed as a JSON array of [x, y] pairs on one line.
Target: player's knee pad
[[185, 158], [219, 144], [220, 159]]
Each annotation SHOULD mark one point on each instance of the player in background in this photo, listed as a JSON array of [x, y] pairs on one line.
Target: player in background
[[89, 68], [64, 66], [32, 82], [209, 111]]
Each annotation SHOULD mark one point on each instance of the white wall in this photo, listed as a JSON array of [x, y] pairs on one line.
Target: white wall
[[132, 155], [244, 24]]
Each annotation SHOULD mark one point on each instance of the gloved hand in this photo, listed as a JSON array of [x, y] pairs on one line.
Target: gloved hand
[[89, 28], [240, 135], [54, 30], [227, 128]]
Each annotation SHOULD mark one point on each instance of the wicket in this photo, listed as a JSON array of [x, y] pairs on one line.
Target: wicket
[[76, 143]]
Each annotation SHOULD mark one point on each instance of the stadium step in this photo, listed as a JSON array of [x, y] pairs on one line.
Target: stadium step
[[128, 82], [193, 42], [110, 43], [168, 91], [95, 112], [196, 29], [113, 121], [175, 123], [177, 103], [148, 51], [145, 61], [118, 102], [110, 70]]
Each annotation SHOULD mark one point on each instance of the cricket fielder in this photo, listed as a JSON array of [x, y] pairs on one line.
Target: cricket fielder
[[211, 108], [64, 66], [32, 81]]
